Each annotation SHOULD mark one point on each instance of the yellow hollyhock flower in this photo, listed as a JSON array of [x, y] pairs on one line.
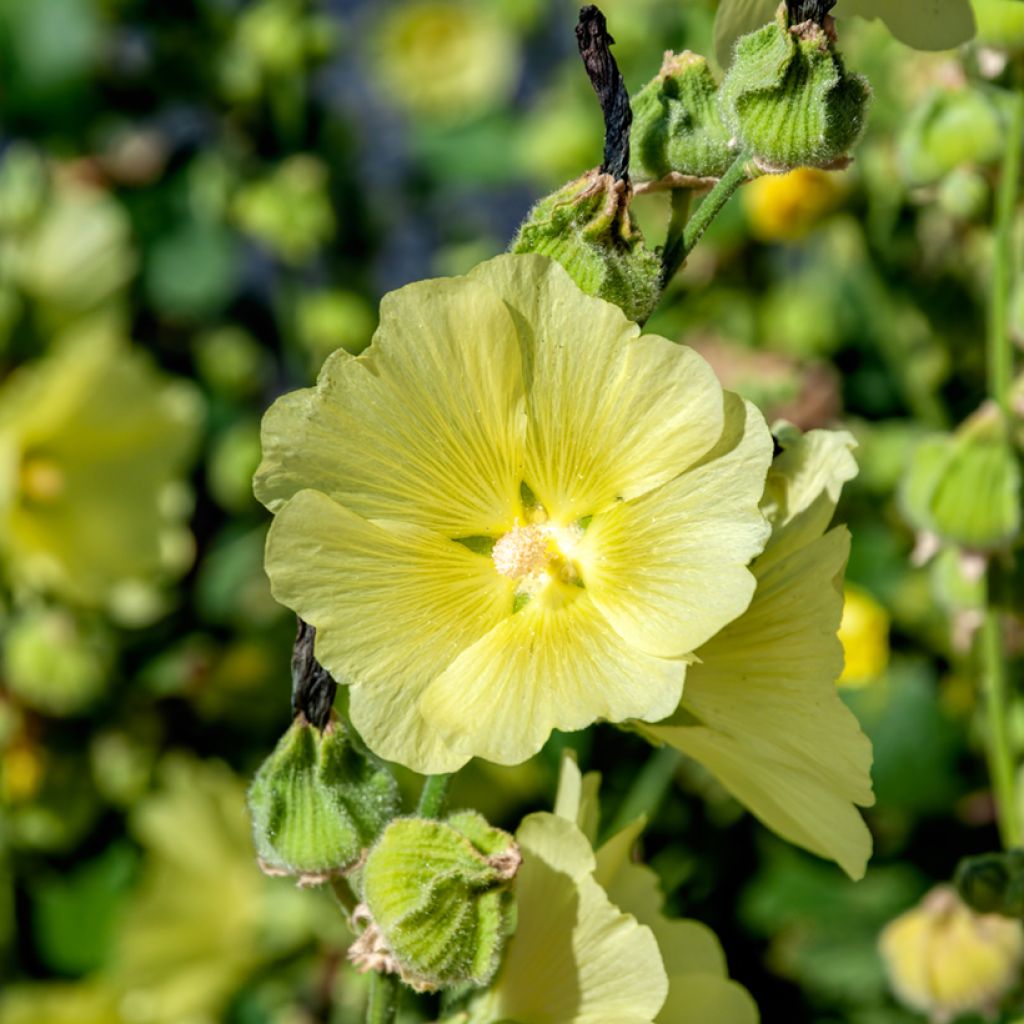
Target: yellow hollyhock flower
[[864, 634], [760, 709], [512, 513], [699, 988], [943, 959], [90, 439], [785, 207]]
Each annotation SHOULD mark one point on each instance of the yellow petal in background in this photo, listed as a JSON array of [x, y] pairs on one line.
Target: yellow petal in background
[[669, 569], [542, 669], [426, 427], [770, 724], [612, 414], [84, 476], [575, 958], [393, 605]]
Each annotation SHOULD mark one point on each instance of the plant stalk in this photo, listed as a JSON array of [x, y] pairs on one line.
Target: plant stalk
[[382, 1006], [709, 209], [648, 790], [1002, 763], [1000, 345], [433, 796]]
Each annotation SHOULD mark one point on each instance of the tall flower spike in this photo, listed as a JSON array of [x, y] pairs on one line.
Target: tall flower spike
[[535, 513]]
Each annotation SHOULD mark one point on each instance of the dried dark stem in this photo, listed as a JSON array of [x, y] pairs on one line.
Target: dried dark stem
[[809, 10], [594, 41], [313, 689]]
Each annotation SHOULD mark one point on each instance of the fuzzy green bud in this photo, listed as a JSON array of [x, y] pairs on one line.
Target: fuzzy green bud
[[437, 901], [993, 883], [965, 487], [789, 99], [678, 132], [949, 129], [55, 663], [318, 802], [588, 228]]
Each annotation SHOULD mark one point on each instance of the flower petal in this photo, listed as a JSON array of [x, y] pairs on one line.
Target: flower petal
[[770, 724], [393, 604], [699, 998], [669, 570], [923, 24], [574, 958], [426, 427], [542, 669], [612, 413]]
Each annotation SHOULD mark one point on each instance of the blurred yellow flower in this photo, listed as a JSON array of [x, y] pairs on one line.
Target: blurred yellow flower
[[944, 960], [760, 708], [445, 58], [864, 634], [784, 207], [204, 917], [91, 437], [514, 513]]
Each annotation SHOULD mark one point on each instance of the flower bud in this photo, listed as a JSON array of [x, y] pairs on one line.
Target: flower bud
[[789, 99], [966, 487], [55, 663], [587, 227], [943, 959], [965, 194], [437, 901], [318, 802], [677, 125], [993, 883], [949, 129]]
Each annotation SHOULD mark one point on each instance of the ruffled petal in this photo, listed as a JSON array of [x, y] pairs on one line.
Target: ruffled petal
[[393, 604], [574, 958], [542, 669], [612, 413], [769, 722], [669, 569], [426, 427]]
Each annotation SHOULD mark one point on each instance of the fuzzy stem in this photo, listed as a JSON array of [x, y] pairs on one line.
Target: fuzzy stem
[[708, 210], [1000, 753], [648, 789], [382, 1005], [1000, 346], [433, 796], [672, 254]]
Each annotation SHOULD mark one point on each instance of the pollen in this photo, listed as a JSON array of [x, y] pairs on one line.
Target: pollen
[[523, 551]]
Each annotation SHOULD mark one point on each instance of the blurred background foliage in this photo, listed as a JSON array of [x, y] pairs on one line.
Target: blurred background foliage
[[198, 202]]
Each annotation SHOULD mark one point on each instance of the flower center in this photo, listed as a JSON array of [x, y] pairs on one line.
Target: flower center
[[539, 557], [42, 479], [523, 551]]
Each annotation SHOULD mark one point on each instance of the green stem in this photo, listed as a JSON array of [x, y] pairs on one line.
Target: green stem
[[382, 1006], [433, 796], [702, 217], [343, 894], [672, 254], [1000, 346], [648, 789], [1002, 763]]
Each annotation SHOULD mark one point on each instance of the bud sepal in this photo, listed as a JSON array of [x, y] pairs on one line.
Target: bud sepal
[[318, 802], [588, 228], [437, 901], [789, 99]]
